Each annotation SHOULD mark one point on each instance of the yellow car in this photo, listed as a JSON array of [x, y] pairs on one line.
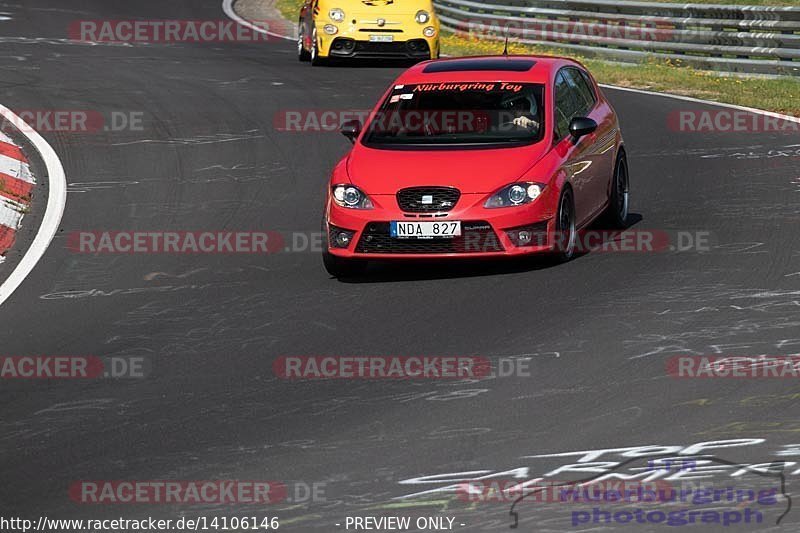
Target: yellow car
[[400, 29]]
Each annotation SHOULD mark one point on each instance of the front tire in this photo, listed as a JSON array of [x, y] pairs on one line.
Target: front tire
[[339, 267], [314, 54], [302, 54], [618, 200], [565, 227]]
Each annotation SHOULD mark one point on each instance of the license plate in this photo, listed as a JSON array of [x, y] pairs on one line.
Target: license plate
[[381, 38], [424, 230]]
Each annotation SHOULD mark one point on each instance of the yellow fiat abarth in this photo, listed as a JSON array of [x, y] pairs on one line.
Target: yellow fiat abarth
[[384, 29]]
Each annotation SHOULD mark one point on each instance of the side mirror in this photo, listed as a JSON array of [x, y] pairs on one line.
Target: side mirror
[[581, 126], [351, 129]]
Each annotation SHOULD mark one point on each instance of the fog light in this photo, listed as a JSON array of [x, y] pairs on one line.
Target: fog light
[[429, 31], [330, 29], [533, 235], [340, 238]]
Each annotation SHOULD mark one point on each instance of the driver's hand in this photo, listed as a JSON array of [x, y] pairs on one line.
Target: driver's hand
[[525, 122]]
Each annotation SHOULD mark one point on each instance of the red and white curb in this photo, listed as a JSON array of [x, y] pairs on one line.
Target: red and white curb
[[16, 185]]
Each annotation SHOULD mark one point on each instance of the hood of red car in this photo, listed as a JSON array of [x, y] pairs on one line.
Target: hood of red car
[[471, 171]]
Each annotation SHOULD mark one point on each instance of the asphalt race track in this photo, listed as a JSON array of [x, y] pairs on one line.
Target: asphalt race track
[[595, 332]]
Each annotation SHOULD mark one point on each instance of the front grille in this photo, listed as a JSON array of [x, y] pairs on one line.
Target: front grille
[[476, 236], [409, 49], [384, 48], [427, 199]]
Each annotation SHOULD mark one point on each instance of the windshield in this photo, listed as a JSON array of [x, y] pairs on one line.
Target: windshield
[[472, 113]]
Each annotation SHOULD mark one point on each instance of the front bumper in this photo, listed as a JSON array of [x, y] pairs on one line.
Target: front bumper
[[344, 47], [484, 231], [353, 40]]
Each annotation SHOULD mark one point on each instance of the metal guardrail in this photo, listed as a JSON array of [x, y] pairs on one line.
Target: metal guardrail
[[748, 39]]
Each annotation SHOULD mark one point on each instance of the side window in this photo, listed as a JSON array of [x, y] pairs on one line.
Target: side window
[[589, 86], [583, 91], [565, 106]]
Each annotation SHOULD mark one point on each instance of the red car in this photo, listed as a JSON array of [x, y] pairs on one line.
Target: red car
[[477, 157]]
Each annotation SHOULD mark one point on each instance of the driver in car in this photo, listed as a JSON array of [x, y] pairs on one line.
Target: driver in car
[[525, 111]]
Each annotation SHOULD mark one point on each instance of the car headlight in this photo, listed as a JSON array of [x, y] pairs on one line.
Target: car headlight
[[422, 16], [350, 196], [330, 29], [336, 14], [515, 194], [429, 31]]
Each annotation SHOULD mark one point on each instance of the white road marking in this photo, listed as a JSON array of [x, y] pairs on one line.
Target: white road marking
[[706, 102], [56, 202], [227, 7]]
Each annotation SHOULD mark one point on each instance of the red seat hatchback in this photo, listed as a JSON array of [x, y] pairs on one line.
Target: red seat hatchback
[[477, 157]]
